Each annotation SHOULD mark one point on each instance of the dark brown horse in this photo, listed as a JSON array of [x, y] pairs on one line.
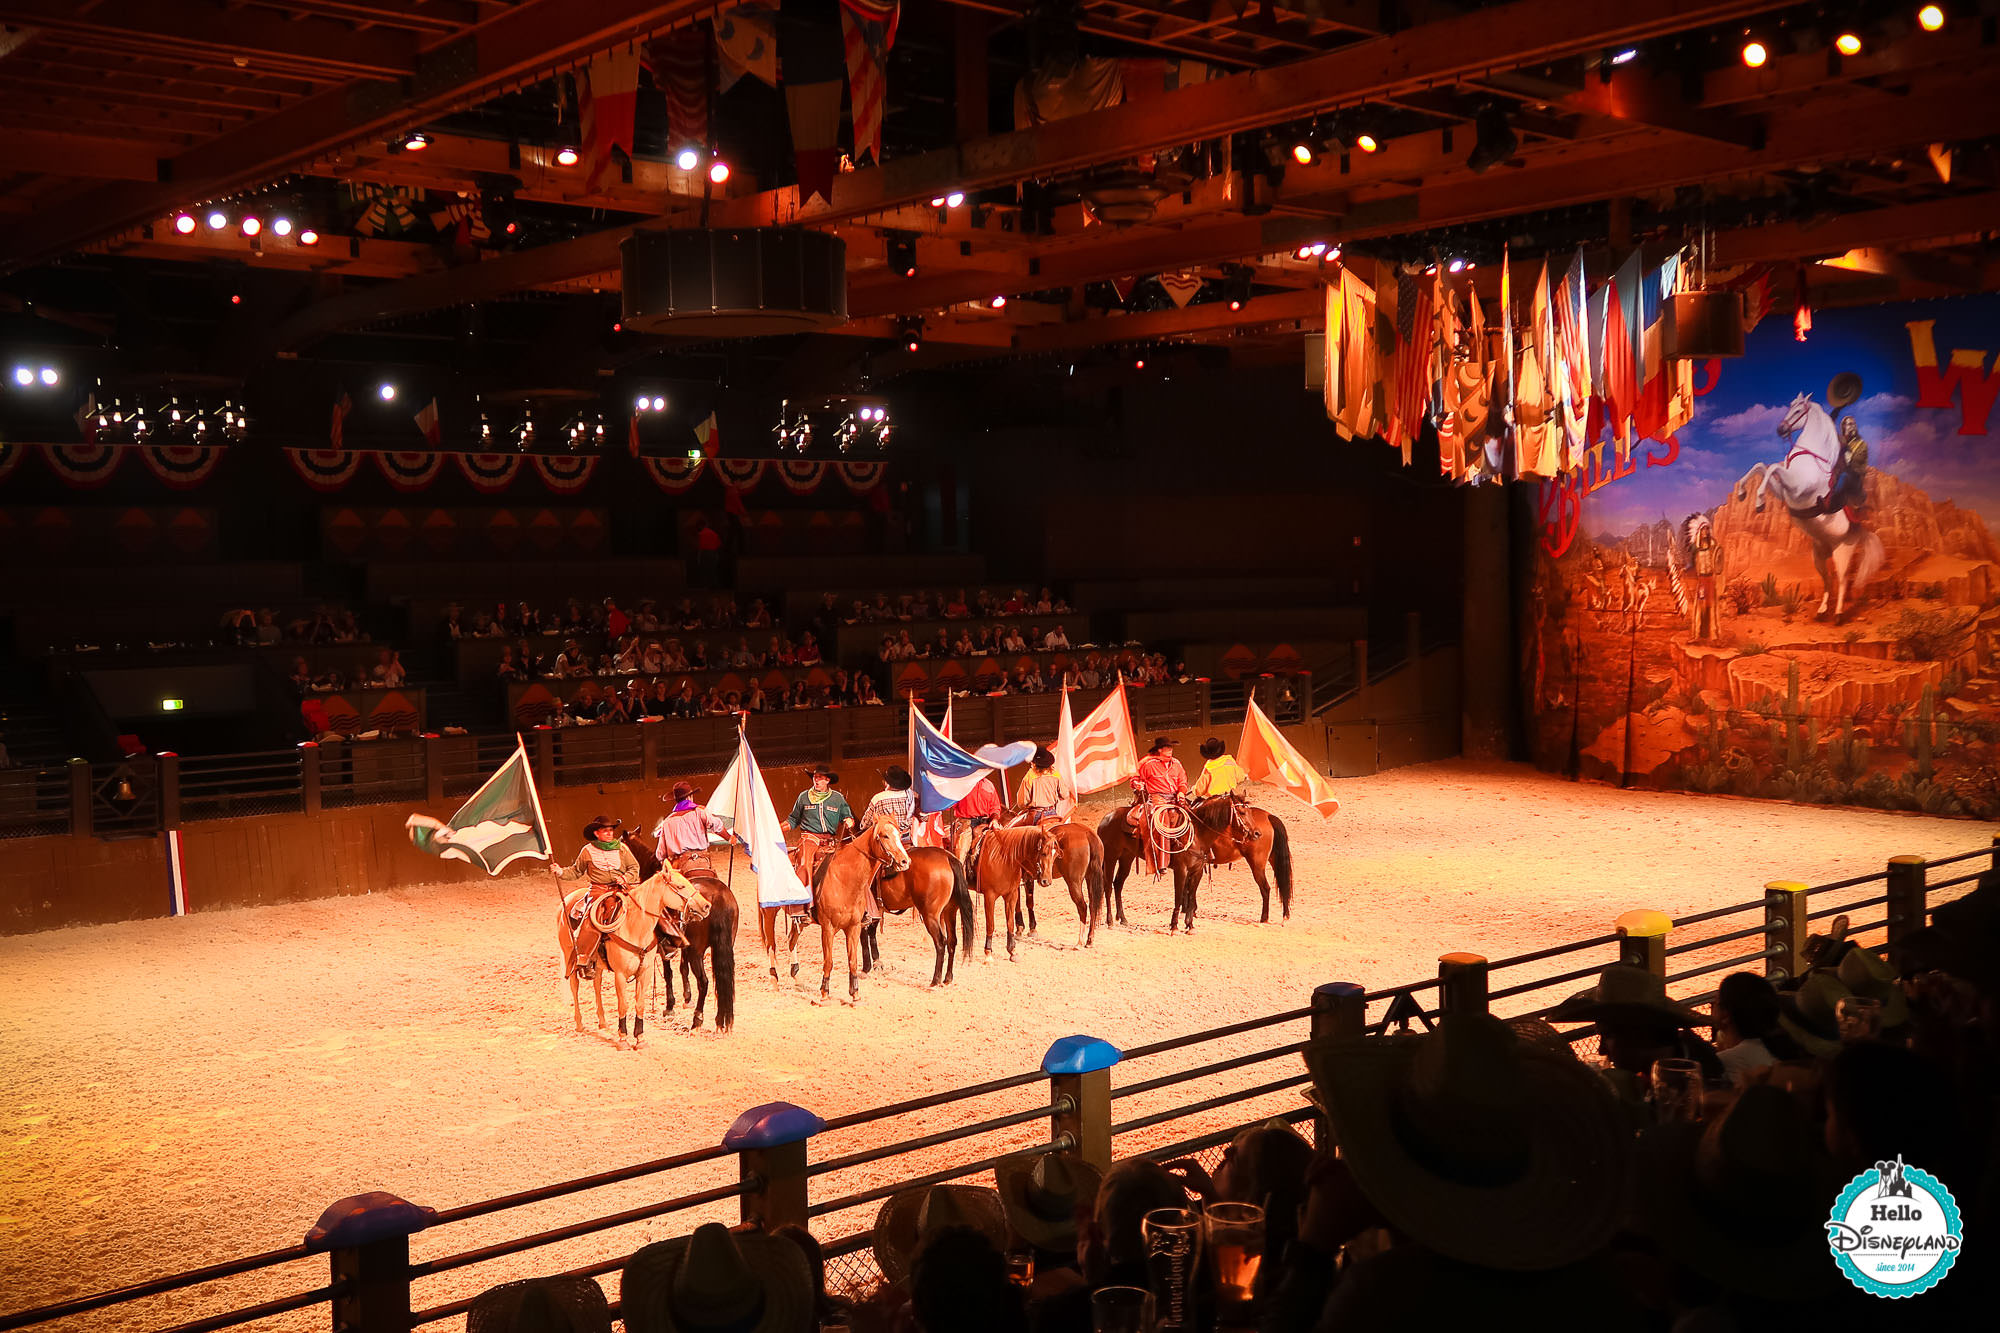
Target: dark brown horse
[[713, 935], [840, 895], [935, 886], [1080, 862], [1007, 858], [1225, 828]]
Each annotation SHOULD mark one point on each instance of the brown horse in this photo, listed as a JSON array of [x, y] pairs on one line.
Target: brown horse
[[935, 886], [1007, 858], [622, 950], [1225, 829], [840, 895], [713, 935], [1080, 861]]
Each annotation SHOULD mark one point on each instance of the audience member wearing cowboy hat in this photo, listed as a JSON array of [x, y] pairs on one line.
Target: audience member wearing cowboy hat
[[1499, 1167], [1042, 1196], [958, 1284], [1637, 1024], [910, 1217], [718, 1281], [541, 1305], [1810, 1015]]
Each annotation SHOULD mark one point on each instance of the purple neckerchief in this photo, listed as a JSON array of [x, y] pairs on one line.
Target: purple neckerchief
[[683, 806]]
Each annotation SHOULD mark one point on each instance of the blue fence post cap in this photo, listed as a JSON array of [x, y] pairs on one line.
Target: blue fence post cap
[[1080, 1055], [771, 1124], [1338, 989], [363, 1219]]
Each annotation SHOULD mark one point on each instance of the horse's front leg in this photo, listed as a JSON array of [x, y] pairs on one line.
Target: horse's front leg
[[1013, 906], [667, 979], [701, 993], [597, 982], [853, 934], [797, 930], [768, 925], [576, 997], [826, 956], [990, 899], [1258, 873], [618, 985], [1084, 922]]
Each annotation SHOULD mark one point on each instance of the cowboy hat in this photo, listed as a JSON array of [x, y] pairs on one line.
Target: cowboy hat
[[1743, 1200], [897, 778], [821, 770], [1040, 1194], [717, 1279], [681, 792], [1806, 1014], [1162, 743], [612, 822], [910, 1217], [1624, 991], [1863, 972], [1476, 1144], [1537, 1033], [541, 1305]]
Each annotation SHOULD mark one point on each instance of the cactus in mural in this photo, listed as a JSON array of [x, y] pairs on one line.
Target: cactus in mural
[[1794, 735], [1925, 734]]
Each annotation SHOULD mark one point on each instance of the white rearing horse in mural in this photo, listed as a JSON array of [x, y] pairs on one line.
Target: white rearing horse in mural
[[1846, 554]]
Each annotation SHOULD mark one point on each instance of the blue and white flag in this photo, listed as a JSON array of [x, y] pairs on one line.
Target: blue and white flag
[[945, 772], [741, 802]]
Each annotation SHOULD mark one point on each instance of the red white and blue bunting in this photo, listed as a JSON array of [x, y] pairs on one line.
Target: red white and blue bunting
[[409, 470], [182, 466], [862, 477], [801, 477], [84, 464], [564, 473], [673, 475], [742, 473], [325, 469], [490, 473]]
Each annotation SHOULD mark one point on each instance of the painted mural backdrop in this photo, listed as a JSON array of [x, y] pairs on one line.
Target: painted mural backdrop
[[1798, 596]]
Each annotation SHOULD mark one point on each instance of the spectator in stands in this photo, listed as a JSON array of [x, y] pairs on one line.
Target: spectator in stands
[[1044, 605], [865, 694], [587, 704], [1011, 640], [956, 607], [1747, 1034], [1181, 674], [827, 1311], [1638, 1024], [652, 659], [723, 614], [646, 619], [1111, 1244], [687, 617], [1027, 681], [346, 629], [301, 677], [808, 651], [616, 622], [614, 707], [881, 609], [756, 701], [656, 703], [842, 685], [856, 615], [676, 655], [713, 704], [526, 620], [571, 661], [453, 621], [508, 670], [983, 604], [742, 657], [707, 554], [1089, 675], [685, 704], [962, 645], [1056, 640], [1016, 602], [958, 1284], [387, 673], [486, 627], [265, 631], [826, 616], [759, 615]]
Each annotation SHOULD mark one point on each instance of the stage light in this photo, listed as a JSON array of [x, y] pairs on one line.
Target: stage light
[[281, 226], [1455, 266], [416, 141], [23, 376], [687, 159], [912, 329], [1139, 364], [49, 376], [565, 156], [252, 225], [718, 172], [236, 298], [643, 403], [1755, 53], [1304, 153], [1626, 56], [388, 392], [308, 237], [901, 251], [184, 224], [659, 404], [998, 303], [1495, 139], [954, 199], [1235, 303], [1367, 143], [1930, 18], [217, 220], [1848, 43], [618, 326]]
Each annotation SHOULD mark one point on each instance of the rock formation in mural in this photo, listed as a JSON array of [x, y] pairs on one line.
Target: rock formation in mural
[[1717, 646]]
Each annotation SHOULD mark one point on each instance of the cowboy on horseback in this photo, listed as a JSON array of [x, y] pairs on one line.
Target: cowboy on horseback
[[1045, 794], [684, 835], [897, 803], [1221, 775], [609, 870], [819, 816], [1159, 784]]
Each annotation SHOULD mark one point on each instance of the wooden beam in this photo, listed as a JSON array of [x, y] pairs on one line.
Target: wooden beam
[[972, 33], [56, 154], [1644, 98], [1306, 309], [1896, 226], [209, 33]]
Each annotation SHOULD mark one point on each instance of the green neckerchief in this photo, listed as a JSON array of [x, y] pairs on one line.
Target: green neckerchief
[[819, 797], [607, 846]]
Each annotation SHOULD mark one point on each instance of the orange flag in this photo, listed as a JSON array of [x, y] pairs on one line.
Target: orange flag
[[1268, 757]]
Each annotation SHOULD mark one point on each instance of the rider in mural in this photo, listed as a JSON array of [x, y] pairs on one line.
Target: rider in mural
[[819, 816]]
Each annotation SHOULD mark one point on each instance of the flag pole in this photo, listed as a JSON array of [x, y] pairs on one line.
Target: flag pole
[[542, 823]]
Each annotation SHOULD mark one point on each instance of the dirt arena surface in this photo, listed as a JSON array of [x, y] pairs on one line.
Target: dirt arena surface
[[181, 1092]]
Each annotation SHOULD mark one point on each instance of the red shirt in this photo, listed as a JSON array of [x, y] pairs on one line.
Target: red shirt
[[616, 623], [981, 800], [1161, 775]]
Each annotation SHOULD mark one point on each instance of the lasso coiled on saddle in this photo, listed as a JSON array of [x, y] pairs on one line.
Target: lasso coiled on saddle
[[1171, 827]]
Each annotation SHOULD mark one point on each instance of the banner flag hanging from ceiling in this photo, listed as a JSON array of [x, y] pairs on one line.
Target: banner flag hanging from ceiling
[[680, 65], [181, 466], [10, 457], [746, 42], [409, 470], [801, 476], [490, 473], [814, 73], [84, 464], [607, 99], [867, 32], [564, 473], [325, 469], [673, 475]]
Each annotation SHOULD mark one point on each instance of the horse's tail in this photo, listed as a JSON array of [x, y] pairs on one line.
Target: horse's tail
[[1871, 561], [961, 898], [1094, 875], [722, 954], [1281, 862]]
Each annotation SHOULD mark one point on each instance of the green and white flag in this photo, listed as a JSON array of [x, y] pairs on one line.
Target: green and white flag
[[500, 824]]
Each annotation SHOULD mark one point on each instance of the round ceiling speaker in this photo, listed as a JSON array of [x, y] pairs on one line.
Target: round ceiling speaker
[[734, 284]]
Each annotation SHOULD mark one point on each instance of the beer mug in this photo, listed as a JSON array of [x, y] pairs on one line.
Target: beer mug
[[1173, 1256], [1676, 1091], [1859, 1016], [1235, 1238], [1121, 1310]]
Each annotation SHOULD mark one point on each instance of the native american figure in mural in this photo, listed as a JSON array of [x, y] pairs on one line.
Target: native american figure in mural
[[1694, 569], [1821, 483]]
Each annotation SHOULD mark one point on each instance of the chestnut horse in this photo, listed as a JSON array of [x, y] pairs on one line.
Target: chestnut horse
[[623, 951], [1226, 828], [714, 935], [1008, 857], [840, 896], [935, 886], [1080, 861]]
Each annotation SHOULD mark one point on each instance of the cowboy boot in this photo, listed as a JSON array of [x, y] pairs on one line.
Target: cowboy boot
[[583, 956]]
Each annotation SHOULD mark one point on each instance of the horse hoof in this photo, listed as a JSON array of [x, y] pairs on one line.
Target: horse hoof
[[696, 1024], [795, 969]]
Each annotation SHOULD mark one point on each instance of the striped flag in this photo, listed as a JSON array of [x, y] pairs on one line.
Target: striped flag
[[1414, 360], [1572, 323], [1622, 331], [1268, 757], [708, 435], [607, 101], [337, 434], [680, 65], [427, 422], [1100, 751], [868, 31]]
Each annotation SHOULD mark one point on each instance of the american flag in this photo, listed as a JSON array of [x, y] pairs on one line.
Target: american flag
[[337, 433], [1571, 321], [1410, 393], [607, 99], [680, 65], [868, 31]]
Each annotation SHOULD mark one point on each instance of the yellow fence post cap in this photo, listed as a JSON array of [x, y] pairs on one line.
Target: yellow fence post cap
[[1787, 886], [1462, 959], [1643, 923]]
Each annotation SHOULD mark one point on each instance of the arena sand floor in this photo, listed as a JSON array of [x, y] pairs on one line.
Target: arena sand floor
[[180, 1092]]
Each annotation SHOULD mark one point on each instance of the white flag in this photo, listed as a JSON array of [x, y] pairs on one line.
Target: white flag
[[1100, 752], [741, 802]]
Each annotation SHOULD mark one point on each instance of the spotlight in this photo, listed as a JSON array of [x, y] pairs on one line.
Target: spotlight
[[659, 404], [184, 224], [217, 220], [1304, 153], [23, 376], [388, 392], [308, 237], [485, 429], [1235, 303], [251, 226], [1848, 43], [1494, 142], [1626, 56], [1755, 53], [718, 172], [565, 156], [1139, 364], [1930, 18], [416, 141], [281, 226], [912, 329], [1367, 143], [236, 298], [901, 250], [687, 159], [1455, 266], [644, 402], [49, 376], [998, 303], [954, 199]]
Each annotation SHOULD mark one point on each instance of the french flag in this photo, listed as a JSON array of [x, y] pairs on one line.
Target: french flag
[[427, 422]]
